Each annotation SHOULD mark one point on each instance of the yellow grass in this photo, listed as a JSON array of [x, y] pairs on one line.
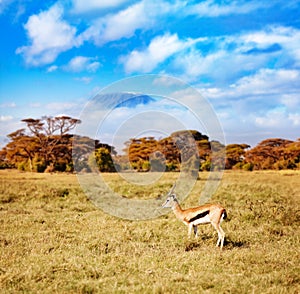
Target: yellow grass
[[54, 240]]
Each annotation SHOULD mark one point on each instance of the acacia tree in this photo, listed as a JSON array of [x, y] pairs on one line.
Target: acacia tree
[[268, 153], [51, 134], [139, 151], [235, 155], [21, 150], [292, 152], [171, 153], [46, 144]]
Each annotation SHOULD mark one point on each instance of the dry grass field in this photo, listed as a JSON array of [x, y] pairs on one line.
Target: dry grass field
[[54, 240]]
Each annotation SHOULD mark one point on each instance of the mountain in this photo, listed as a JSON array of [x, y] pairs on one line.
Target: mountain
[[118, 100]]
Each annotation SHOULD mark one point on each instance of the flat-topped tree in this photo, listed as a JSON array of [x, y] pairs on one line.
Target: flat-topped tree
[[49, 126], [52, 133]]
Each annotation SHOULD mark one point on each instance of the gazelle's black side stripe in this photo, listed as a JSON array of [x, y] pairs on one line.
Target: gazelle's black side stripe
[[200, 215]]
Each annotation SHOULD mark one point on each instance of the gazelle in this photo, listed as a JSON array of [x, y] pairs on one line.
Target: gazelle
[[192, 217]]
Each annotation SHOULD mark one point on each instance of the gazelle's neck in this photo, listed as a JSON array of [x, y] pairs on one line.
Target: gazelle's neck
[[177, 210]]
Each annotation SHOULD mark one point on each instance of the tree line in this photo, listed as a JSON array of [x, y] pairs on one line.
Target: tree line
[[47, 145]]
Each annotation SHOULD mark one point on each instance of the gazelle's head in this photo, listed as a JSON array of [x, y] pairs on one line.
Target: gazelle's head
[[170, 201]]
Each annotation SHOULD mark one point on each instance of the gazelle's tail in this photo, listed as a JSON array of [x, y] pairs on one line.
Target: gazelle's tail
[[224, 214]]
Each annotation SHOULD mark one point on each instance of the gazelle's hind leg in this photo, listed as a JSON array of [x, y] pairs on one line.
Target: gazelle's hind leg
[[221, 234], [222, 238]]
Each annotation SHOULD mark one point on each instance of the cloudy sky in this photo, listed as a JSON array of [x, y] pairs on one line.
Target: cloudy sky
[[242, 56]]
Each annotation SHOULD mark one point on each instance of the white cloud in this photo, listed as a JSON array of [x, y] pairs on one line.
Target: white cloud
[[123, 24], [4, 4], [159, 49], [287, 38], [82, 63], [60, 106], [279, 119], [85, 80], [294, 118], [269, 82], [49, 35], [263, 91], [291, 100], [115, 26], [221, 65], [167, 81], [270, 35], [78, 64], [272, 119], [193, 63], [263, 104], [52, 68], [210, 8], [241, 54], [5, 118], [8, 105], [8, 124], [83, 6]]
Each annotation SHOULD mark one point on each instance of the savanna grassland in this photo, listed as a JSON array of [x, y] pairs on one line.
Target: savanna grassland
[[54, 240]]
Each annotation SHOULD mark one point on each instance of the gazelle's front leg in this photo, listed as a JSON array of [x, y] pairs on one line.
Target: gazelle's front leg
[[190, 227], [195, 231], [194, 228]]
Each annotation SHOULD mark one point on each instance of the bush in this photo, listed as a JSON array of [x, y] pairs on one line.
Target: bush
[[171, 166], [146, 166], [104, 160], [239, 165], [69, 167], [38, 164], [23, 166], [285, 164], [205, 166], [5, 165], [248, 166]]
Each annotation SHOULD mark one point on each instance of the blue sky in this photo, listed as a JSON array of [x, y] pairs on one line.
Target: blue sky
[[242, 56]]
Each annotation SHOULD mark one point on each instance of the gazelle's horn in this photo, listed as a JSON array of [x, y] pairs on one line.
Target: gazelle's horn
[[173, 188]]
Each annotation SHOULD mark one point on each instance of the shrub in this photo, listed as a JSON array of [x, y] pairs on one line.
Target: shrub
[[205, 166], [171, 166], [23, 166], [239, 165], [146, 166], [248, 166]]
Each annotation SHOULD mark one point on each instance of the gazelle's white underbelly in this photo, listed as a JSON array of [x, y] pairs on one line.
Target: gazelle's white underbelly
[[203, 220]]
